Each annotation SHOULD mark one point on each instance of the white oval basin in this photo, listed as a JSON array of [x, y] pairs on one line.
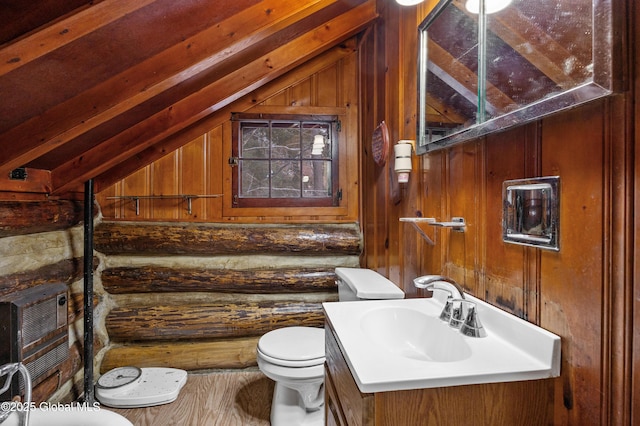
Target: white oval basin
[[70, 416], [413, 334], [392, 345]]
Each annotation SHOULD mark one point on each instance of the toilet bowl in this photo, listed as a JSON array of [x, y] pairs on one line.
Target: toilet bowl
[[294, 358]]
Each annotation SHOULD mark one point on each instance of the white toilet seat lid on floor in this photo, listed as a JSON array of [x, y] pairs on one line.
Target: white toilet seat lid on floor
[[293, 344], [155, 386]]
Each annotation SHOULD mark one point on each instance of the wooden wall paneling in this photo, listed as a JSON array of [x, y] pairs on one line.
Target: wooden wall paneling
[[380, 174], [619, 253], [635, 205], [327, 87], [460, 187], [300, 94], [214, 183], [532, 256], [503, 277], [366, 85], [164, 181], [583, 292], [138, 183], [412, 245], [280, 98], [274, 95], [347, 96], [572, 279], [472, 213], [479, 219], [193, 177], [110, 208], [392, 70], [433, 205]]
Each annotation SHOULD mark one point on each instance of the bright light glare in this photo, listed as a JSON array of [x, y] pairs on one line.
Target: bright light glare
[[490, 6], [408, 2]]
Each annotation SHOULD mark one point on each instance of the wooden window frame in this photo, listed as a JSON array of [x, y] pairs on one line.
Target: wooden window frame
[[240, 202]]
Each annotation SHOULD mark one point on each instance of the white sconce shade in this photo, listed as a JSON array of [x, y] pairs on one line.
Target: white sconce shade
[[318, 145], [408, 2], [402, 156], [490, 6]]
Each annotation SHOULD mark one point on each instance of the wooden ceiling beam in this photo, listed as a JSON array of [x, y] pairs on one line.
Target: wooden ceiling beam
[[59, 125], [65, 31], [183, 137], [219, 94]]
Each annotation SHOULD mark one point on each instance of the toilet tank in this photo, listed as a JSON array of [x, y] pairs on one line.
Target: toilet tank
[[365, 284]]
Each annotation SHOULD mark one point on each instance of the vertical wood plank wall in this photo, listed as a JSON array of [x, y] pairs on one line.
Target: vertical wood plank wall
[[324, 85], [584, 292]]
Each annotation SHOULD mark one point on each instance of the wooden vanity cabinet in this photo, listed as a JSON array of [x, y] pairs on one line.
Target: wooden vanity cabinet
[[493, 404]]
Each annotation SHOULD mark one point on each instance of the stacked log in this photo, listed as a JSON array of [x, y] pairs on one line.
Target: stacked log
[[38, 240], [196, 296], [30, 217]]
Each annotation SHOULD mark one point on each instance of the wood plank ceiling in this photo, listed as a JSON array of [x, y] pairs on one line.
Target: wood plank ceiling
[[88, 89]]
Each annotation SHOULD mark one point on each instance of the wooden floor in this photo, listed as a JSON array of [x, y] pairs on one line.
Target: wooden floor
[[225, 398]]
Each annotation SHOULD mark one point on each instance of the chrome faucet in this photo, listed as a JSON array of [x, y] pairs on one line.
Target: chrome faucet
[[454, 308], [9, 370], [438, 282]]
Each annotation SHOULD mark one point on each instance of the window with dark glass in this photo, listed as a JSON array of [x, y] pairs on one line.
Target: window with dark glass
[[285, 160]]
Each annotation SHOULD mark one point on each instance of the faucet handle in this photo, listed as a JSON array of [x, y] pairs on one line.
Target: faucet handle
[[445, 315], [457, 316], [472, 326]]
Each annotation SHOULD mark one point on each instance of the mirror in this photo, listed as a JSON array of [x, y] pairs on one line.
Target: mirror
[[480, 73]]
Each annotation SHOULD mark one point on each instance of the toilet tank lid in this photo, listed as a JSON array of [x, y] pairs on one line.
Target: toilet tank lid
[[368, 284]]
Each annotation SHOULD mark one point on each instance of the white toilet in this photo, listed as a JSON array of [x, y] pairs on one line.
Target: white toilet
[[294, 356]]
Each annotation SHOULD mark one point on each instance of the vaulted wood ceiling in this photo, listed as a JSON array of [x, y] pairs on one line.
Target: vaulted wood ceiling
[[92, 89]]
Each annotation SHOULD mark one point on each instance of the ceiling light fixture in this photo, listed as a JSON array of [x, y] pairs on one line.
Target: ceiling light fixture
[[490, 6], [408, 2]]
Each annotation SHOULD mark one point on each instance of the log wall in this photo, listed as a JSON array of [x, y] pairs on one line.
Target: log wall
[[206, 299], [39, 244]]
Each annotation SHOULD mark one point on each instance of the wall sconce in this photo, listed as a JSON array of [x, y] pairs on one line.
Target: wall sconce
[[402, 156], [318, 145]]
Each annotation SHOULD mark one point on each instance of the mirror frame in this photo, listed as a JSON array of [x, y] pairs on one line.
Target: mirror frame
[[608, 73]]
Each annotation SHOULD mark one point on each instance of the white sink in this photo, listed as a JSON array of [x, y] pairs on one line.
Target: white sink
[[427, 339], [62, 415], [402, 344]]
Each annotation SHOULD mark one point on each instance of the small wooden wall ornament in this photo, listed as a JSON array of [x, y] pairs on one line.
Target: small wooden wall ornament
[[380, 144]]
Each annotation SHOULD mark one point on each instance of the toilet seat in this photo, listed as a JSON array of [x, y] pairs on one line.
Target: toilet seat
[[289, 363], [293, 346]]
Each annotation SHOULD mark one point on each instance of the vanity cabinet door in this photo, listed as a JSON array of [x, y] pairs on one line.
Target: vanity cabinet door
[[333, 410], [345, 405]]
